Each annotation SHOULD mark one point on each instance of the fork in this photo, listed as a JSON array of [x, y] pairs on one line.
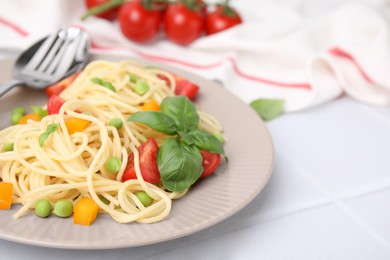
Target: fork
[[50, 60]]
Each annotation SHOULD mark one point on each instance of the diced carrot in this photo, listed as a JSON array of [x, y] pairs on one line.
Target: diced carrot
[[5, 195], [85, 211], [32, 116], [75, 124], [151, 105]]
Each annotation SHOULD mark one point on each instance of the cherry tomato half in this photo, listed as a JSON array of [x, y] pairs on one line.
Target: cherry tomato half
[[137, 23], [58, 87], [183, 86], [54, 104], [186, 88], [108, 15], [163, 77], [210, 162], [54, 89], [148, 163], [182, 25], [221, 18]]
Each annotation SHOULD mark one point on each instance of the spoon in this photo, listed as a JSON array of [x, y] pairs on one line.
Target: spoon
[[50, 60]]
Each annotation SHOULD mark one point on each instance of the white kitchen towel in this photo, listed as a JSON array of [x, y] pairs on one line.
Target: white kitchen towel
[[275, 53]]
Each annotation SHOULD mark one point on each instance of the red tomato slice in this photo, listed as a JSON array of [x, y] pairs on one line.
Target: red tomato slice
[[187, 88], [183, 86], [165, 78], [54, 89], [58, 87], [148, 163], [210, 162], [54, 104]]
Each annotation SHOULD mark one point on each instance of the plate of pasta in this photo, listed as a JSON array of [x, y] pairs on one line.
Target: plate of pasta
[[123, 154]]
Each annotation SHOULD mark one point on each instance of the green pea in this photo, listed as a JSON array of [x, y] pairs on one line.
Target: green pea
[[113, 164], [43, 208], [145, 199], [116, 122], [108, 85], [8, 147], [141, 87], [16, 114], [133, 78], [40, 111], [19, 110], [103, 83], [63, 208]]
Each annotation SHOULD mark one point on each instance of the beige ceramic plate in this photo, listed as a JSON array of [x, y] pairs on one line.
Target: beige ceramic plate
[[218, 197]]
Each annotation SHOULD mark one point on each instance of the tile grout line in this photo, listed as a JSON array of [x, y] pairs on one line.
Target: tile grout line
[[331, 199], [380, 186], [337, 201], [279, 215], [265, 219], [245, 226], [367, 228]]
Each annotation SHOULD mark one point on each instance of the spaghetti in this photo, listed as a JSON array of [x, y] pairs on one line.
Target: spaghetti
[[72, 165]]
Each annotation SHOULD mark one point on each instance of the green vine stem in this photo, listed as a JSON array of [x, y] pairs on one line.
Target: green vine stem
[[102, 8]]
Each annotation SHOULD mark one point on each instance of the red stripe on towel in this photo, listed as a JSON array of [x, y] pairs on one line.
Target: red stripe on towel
[[236, 68], [14, 27], [343, 54]]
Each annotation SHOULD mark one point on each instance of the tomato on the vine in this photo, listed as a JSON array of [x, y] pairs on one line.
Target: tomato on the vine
[[110, 14], [222, 18], [183, 25], [202, 6], [138, 23]]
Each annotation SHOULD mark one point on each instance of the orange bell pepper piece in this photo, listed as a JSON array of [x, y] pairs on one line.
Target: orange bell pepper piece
[[151, 105], [85, 211], [5, 195], [32, 116], [75, 124]]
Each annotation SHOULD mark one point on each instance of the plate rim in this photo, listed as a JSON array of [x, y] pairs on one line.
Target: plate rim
[[183, 233]]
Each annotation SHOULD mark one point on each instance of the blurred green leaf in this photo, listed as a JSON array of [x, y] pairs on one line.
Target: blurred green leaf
[[268, 109]]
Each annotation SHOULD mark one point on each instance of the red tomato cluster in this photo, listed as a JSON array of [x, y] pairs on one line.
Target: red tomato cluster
[[183, 21]]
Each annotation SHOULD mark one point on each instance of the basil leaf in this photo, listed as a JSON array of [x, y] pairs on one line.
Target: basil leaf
[[268, 109], [180, 164], [155, 120], [186, 137], [206, 141], [42, 138], [182, 110], [49, 130]]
